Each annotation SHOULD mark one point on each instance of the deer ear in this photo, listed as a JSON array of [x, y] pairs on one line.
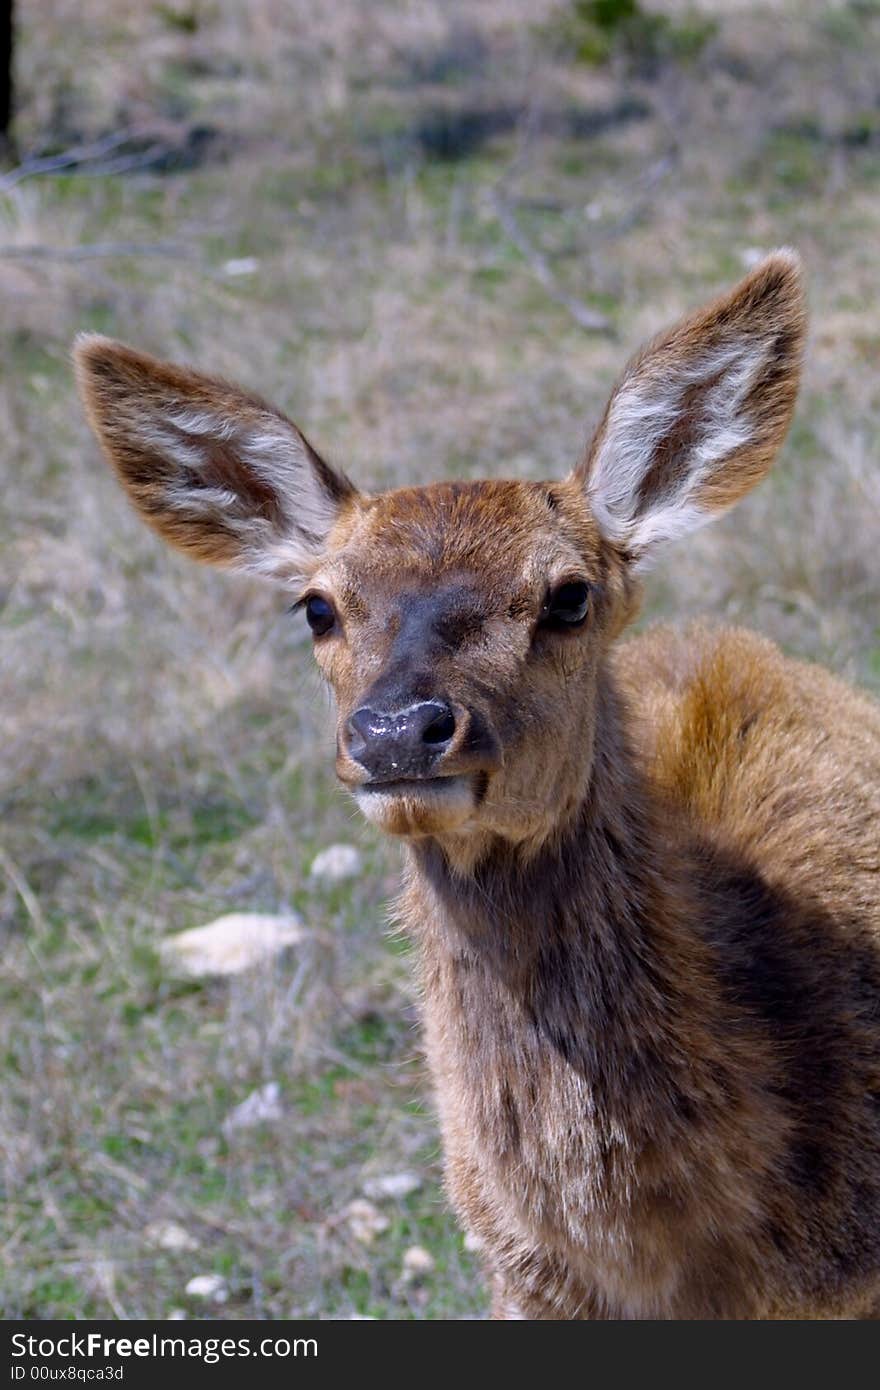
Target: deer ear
[[698, 415], [216, 471]]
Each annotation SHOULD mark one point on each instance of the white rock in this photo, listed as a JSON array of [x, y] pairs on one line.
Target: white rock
[[417, 1261], [262, 1107], [212, 1286], [472, 1243], [177, 1315], [365, 1221], [167, 1235], [394, 1186], [336, 863], [242, 265], [230, 944]]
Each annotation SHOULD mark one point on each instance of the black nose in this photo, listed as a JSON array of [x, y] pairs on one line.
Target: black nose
[[401, 743]]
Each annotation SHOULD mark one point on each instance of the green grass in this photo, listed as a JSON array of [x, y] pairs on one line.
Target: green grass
[[165, 748]]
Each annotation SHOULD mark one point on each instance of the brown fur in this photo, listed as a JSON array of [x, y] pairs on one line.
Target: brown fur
[[764, 313], [647, 893], [122, 388]]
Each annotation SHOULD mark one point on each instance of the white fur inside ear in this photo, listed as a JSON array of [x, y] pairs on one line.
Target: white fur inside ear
[[644, 412], [269, 451]]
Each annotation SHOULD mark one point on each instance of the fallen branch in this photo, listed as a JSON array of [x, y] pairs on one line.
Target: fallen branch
[[645, 185], [586, 318], [96, 250], [92, 158]]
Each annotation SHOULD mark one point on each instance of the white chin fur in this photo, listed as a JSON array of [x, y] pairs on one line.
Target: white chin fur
[[419, 808]]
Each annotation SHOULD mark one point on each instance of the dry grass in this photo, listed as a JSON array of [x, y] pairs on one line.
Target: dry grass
[[164, 745]]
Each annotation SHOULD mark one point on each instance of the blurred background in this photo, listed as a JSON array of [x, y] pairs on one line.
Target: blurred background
[[432, 233]]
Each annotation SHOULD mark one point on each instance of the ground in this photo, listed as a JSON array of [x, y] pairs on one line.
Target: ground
[[432, 233]]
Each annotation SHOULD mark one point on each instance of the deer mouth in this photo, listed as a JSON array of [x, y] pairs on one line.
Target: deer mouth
[[408, 786], [420, 805]]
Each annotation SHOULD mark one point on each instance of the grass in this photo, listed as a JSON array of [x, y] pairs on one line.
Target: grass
[[165, 748]]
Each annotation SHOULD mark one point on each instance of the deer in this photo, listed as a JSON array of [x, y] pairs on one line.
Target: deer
[[642, 875]]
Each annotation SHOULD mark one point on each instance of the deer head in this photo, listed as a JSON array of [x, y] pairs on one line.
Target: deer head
[[463, 626]]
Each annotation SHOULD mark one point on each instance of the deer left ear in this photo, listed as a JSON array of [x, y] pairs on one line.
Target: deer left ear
[[699, 414]]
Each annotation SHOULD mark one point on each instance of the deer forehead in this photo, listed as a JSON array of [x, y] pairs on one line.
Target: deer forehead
[[491, 546]]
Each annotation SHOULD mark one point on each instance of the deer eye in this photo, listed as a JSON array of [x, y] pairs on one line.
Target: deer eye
[[319, 614], [566, 605]]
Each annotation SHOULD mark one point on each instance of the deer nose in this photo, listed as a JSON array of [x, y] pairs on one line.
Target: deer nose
[[394, 745]]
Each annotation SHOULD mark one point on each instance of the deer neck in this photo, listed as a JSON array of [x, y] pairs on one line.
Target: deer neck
[[582, 957]]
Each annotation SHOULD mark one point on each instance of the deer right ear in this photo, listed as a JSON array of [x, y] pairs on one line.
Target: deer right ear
[[216, 471]]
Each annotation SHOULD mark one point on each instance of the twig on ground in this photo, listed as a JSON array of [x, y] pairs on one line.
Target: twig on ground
[[91, 159], [588, 319], [24, 891], [645, 186], [95, 250]]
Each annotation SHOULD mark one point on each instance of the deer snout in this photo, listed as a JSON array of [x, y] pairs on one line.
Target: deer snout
[[393, 745]]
